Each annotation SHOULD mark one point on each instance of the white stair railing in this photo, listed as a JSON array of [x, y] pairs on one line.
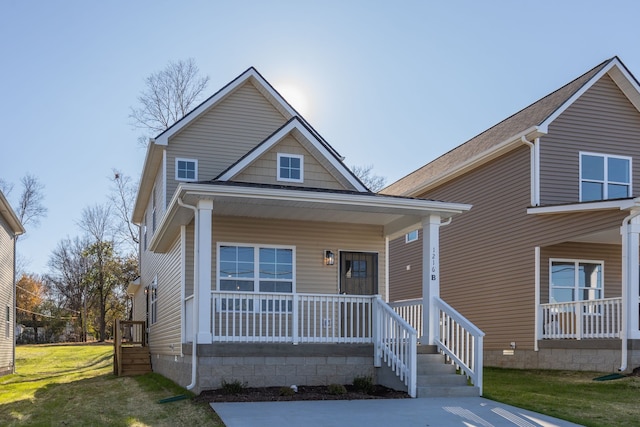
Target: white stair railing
[[395, 343], [591, 319], [461, 342]]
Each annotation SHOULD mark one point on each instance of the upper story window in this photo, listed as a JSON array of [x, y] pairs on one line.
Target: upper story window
[[186, 170], [604, 177], [290, 167], [575, 280], [411, 236]]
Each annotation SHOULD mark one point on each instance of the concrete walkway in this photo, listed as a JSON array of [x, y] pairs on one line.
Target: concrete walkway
[[431, 412]]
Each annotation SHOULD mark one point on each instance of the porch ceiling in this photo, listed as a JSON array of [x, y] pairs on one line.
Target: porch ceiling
[[397, 215]]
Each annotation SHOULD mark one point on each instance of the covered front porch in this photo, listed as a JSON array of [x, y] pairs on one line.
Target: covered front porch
[[264, 256]]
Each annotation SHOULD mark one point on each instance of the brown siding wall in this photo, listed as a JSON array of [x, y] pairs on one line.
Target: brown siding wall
[[488, 254], [405, 269], [601, 121]]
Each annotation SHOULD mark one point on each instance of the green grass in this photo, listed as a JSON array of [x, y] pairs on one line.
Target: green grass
[[73, 385], [572, 396]]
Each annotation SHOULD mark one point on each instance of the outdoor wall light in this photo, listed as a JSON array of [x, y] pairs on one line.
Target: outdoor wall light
[[329, 258]]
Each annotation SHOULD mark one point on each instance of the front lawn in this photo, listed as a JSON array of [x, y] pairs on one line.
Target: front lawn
[[572, 396], [73, 385]]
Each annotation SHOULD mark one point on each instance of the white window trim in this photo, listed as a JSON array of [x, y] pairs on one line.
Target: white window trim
[[576, 286], [8, 322], [409, 239], [153, 301], [296, 156], [195, 161], [606, 181], [256, 260]]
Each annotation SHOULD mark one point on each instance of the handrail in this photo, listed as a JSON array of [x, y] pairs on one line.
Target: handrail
[[395, 342], [461, 341], [591, 319], [135, 335]]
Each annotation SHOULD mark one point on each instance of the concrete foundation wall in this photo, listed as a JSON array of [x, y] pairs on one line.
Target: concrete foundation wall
[[269, 365], [601, 356]]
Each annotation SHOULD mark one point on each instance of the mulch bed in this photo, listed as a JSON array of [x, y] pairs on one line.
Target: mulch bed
[[274, 394]]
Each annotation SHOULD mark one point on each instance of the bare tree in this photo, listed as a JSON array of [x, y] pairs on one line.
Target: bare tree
[[374, 182], [96, 221], [168, 96], [30, 207], [122, 197]]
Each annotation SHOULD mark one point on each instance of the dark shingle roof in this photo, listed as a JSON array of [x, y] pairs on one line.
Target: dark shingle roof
[[533, 115]]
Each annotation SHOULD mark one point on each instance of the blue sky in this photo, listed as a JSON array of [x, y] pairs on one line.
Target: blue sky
[[391, 84]]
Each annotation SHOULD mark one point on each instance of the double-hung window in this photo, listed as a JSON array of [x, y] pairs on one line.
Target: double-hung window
[[575, 280], [153, 304], [8, 322], [290, 167], [186, 170], [253, 269], [604, 177]]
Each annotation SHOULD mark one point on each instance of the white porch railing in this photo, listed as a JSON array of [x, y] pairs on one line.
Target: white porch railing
[[457, 338], [395, 343], [591, 319], [294, 318]]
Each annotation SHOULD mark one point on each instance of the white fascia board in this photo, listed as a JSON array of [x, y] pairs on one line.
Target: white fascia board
[[545, 124], [344, 199], [163, 138], [7, 212], [495, 151], [295, 123], [584, 207]]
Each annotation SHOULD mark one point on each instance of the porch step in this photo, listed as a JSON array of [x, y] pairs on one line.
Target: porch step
[[435, 378], [135, 361]]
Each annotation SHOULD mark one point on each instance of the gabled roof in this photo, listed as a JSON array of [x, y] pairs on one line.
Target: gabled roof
[[9, 216], [295, 123], [531, 122], [154, 150]]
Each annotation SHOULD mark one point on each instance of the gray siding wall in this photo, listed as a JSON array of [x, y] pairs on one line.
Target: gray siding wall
[[223, 135], [6, 298], [601, 121]]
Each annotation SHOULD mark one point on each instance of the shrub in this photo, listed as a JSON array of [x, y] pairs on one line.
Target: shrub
[[337, 389], [363, 384], [233, 387]]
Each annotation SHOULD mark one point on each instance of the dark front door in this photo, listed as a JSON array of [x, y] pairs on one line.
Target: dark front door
[[358, 273], [358, 276]]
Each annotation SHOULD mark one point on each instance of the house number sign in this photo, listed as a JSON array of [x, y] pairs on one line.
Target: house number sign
[[434, 258]]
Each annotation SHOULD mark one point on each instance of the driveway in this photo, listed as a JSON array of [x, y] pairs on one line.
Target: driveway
[[429, 412]]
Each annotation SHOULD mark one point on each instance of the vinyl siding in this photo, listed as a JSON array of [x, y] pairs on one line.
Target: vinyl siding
[[224, 134], [603, 121], [487, 256], [6, 296], [405, 269], [316, 175], [310, 240], [167, 329]]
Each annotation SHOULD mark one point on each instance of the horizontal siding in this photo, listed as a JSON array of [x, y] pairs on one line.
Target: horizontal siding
[[405, 269], [487, 254], [6, 294], [310, 240], [223, 135], [264, 170], [601, 121]]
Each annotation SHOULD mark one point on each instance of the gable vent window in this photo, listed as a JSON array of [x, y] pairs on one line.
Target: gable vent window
[[411, 236], [604, 177], [290, 167], [186, 170]]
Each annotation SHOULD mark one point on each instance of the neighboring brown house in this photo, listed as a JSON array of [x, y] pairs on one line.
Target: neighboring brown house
[[546, 262], [261, 246], [10, 227]]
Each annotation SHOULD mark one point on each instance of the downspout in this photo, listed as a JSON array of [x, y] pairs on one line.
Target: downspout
[[625, 290], [532, 165], [194, 355]]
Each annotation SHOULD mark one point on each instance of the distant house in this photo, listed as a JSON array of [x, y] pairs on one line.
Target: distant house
[[262, 251], [546, 262], [10, 227]]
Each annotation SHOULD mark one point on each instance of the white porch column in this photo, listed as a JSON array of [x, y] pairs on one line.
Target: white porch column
[[203, 228], [631, 300], [430, 277]]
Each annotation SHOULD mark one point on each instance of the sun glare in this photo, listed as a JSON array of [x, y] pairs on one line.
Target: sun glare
[[294, 96]]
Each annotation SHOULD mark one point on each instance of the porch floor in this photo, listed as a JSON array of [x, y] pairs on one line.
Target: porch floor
[[382, 413]]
